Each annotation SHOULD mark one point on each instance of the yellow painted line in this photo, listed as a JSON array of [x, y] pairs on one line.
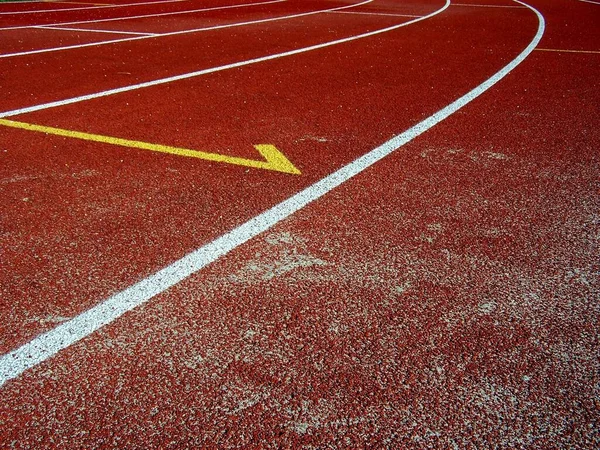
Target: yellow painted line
[[566, 51], [274, 159]]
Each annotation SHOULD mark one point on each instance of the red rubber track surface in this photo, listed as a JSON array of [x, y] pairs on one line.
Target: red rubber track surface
[[111, 66], [447, 296], [23, 40], [25, 9], [224, 113], [208, 14]]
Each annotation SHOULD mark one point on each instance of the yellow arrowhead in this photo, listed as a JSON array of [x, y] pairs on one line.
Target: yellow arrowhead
[[274, 159]]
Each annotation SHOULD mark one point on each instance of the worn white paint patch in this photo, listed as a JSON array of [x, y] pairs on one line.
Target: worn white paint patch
[[487, 307], [496, 155], [283, 253]]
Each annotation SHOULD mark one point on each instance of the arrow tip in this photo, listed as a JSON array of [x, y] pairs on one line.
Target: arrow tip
[[276, 160]]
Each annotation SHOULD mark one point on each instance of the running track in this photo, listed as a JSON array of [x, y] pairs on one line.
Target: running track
[[415, 265]]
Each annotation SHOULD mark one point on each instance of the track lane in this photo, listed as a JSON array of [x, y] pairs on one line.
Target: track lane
[[143, 16], [230, 208], [29, 10], [225, 18], [9, 23], [31, 160], [203, 22], [251, 44], [581, 20], [24, 41], [209, 95]]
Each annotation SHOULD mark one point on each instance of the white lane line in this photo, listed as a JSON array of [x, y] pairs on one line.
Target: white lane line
[[175, 33], [46, 345], [43, 27], [89, 7], [590, 1], [144, 16], [374, 14], [198, 73], [487, 6]]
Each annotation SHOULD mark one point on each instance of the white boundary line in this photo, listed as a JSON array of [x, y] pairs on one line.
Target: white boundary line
[[590, 1], [16, 13], [175, 33], [487, 6], [43, 27], [144, 16], [375, 14], [50, 343]]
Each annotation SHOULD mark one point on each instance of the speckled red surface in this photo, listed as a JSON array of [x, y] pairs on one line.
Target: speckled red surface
[[447, 297]]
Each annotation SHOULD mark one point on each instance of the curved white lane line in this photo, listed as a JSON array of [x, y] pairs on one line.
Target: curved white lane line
[[46, 345], [17, 13], [91, 30], [486, 6], [175, 33], [144, 16], [590, 1], [198, 73]]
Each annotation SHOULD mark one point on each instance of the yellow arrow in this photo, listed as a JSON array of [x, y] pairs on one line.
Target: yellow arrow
[[274, 159]]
